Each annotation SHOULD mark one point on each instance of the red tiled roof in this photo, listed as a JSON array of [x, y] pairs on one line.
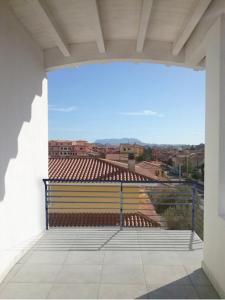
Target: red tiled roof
[[100, 219], [91, 169], [144, 168]]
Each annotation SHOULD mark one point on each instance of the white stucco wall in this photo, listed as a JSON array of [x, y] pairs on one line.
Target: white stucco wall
[[23, 139], [214, 221]]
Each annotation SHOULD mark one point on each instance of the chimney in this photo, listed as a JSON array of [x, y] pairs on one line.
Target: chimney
[[131, 162]]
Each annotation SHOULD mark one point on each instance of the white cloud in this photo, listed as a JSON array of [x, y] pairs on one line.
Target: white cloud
[[62, 109], [143, 113]]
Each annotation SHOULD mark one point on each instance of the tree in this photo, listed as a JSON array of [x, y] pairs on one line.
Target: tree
[[170, 162], [147, 155], [202, 167], [175, 216], [195, 174]]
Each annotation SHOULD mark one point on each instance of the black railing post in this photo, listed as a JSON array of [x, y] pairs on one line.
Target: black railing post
[[46, 205], [193, 206], [121, 205]]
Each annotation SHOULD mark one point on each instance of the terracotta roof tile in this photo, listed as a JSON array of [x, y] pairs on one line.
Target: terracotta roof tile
[[91, 169], [100, 219]]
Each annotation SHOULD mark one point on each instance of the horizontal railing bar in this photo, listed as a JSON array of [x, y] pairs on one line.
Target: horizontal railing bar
[[84, 191], [85, 212], [140, 209], [85, 202], [77, 197], [118, 203], [46, 180], [84, 185], [111, 197], [117, 186], [163, 193], [85, 208], [80, 197], [114, 192]]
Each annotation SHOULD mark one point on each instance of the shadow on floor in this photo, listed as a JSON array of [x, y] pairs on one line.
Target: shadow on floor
[[72, 239], [194, 286]]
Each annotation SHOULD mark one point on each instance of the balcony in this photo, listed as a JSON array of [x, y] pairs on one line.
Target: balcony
[[107, 262], [82, 255]]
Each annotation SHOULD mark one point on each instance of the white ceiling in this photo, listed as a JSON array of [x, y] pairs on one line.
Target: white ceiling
[[143, 24]]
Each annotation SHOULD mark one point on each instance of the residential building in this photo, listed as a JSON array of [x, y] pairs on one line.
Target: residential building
[[126, 149], [70, 149], [82, 148], [104, 174], [61, 148], [163, 154]]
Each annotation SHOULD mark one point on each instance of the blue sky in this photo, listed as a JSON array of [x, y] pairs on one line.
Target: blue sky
[[154, 103]]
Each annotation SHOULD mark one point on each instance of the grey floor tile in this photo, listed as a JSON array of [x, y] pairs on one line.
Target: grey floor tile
[[160, 258], [122, 291], [163, 275], [197, 275], [25, 291], [123, 274], [74, 291], [122, 258], [85, 257], [190, 257], [25, 257], [116, 271], [47, 257], [79, 274], [36, 273], [12, 272], [171, 291], [206, 292], [2, 285]]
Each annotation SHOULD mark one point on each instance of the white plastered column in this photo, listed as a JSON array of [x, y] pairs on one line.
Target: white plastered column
[[214, 209], [23, 139]]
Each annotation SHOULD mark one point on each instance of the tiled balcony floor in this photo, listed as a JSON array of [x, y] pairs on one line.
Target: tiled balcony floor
[[108, 263]]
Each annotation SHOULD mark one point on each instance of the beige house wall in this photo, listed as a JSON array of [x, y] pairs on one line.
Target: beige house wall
[[106, 196]]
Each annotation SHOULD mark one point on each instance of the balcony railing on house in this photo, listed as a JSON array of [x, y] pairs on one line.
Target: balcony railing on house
[[167, 205]]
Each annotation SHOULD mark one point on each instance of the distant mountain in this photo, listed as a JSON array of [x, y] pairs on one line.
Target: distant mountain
[[119, 141]]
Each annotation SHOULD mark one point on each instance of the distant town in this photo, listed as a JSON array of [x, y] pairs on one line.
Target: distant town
[[156, 161]]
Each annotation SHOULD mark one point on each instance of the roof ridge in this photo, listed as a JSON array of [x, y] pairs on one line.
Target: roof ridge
[[64, 168]]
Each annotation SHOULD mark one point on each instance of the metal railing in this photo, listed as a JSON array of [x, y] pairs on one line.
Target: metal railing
[[166, 204]]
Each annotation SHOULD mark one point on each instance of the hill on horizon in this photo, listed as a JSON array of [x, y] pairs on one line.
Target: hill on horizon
[[117, 141]]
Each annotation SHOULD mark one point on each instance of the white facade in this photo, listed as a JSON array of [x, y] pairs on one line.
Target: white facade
[[23, 138], [189, 33], [214, 213]]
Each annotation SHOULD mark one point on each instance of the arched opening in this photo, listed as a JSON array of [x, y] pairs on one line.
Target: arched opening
[[121, 108]]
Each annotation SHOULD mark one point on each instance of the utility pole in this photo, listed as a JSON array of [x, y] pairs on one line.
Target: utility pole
[[187, 165], [179, 171]]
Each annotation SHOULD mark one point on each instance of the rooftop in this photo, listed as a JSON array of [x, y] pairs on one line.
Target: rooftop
[[91, 169], [135, 219], [143, 168]]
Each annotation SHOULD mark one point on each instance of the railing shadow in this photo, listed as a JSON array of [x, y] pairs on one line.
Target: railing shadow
[[115, 239]]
